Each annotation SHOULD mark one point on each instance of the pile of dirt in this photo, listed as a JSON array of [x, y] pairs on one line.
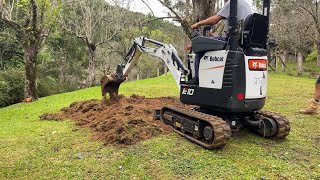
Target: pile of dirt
[[121, 121]]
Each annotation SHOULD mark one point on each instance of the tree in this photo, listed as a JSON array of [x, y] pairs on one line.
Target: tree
[[31, 21], [94, 22], [311, 8], [11, 55], [203, 9], [293, 35], [185, 15]]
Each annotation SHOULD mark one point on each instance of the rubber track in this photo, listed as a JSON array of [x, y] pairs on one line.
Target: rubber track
[[222, 131], [282, 122]]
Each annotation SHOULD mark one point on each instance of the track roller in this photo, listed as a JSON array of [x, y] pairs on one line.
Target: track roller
[[205, 130]]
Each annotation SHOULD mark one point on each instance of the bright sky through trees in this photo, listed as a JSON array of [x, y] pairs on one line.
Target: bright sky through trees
[[158, 9]]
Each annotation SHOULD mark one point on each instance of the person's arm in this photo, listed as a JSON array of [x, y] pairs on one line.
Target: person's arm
[[210, 21], [224, 13]]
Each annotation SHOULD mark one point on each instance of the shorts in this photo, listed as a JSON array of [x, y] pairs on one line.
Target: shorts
[[318, 81]]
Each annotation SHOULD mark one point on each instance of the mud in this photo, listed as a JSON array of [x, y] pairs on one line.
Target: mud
[[119, 121]]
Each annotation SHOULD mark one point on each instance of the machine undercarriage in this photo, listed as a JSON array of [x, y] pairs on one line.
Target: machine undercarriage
[[213, 131]]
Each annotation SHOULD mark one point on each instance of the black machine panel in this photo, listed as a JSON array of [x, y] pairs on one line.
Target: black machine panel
[[255, 31]]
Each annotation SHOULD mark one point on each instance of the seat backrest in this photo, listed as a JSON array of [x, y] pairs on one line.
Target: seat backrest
[[255, 31]]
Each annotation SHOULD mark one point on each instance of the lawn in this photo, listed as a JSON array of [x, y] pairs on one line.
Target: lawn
[[34, 149]]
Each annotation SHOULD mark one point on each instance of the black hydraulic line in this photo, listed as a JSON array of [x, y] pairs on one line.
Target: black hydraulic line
[[266, 11], [130, 53], [179, 63], [233, 21], [154, 42]]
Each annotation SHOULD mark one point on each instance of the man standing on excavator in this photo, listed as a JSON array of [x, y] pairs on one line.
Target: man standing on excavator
[[243, 11]]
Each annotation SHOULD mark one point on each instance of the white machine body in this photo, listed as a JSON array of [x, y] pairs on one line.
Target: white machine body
[[256, 80], [212, 67]]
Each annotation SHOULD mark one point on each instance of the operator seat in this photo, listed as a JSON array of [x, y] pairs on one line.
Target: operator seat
[[254, 38], [201, 44], [255, 32]]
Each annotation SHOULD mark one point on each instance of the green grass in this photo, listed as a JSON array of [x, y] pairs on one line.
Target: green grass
[[310, 68], [33, 149]]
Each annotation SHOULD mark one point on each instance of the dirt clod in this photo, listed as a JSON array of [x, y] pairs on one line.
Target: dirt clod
[[124, 121]]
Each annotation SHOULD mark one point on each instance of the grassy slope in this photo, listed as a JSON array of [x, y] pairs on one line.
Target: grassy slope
[[30, 148]]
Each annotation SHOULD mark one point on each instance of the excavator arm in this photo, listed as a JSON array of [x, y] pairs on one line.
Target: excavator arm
[[110, 83]]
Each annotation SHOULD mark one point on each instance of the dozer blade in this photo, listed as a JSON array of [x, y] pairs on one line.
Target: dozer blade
[[110, 84]]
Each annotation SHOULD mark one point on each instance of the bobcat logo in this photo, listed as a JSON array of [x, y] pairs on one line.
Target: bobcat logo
[[213, 58], [255, 64]]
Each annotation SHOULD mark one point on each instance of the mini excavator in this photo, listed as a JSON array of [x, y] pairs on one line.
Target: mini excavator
[[232, 82]]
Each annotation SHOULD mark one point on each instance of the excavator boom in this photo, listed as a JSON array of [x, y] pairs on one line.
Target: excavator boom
[[110, 83]]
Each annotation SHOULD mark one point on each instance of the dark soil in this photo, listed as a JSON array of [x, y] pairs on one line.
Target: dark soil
[[120, 121]]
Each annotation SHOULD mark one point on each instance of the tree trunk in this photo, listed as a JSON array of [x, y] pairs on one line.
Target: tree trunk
[[284, 60], [300, 60], [1, 60], [30, 86], [92, 69], [62, 70], [318, 57], [276, 61], [138, 75], [203, 9]]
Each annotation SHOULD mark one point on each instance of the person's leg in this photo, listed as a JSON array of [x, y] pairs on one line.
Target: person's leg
[[313, 108], [317, 90], [195, 80], [197, 64]]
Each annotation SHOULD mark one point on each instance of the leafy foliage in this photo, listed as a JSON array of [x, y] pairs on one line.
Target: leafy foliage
[[11, 87]]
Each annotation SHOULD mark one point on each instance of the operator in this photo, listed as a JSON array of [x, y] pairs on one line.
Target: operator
[[243, 11], [315, 102]]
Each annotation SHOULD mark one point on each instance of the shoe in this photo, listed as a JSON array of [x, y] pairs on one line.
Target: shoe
[[312, 109], [193, 81]]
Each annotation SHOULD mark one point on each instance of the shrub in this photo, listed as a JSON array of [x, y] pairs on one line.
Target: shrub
[[312, 56], [11, 87], [47, 86]]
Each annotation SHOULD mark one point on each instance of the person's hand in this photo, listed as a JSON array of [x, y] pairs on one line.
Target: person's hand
[[194, 26]]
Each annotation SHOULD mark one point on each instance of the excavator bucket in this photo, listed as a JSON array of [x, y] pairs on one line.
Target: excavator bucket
[[110, 84]]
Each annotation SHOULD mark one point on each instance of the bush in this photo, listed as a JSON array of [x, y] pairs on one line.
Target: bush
[[11, 87], [312, 56], [47, 86]]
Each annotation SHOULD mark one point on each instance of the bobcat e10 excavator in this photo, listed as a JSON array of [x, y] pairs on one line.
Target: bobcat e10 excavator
[[232, 82]]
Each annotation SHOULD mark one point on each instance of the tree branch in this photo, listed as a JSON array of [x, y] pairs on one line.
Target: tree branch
[[6, 18], [74, 33], [148, 7], [184, 23], [154, 19], [34, 15], [107, 40]]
